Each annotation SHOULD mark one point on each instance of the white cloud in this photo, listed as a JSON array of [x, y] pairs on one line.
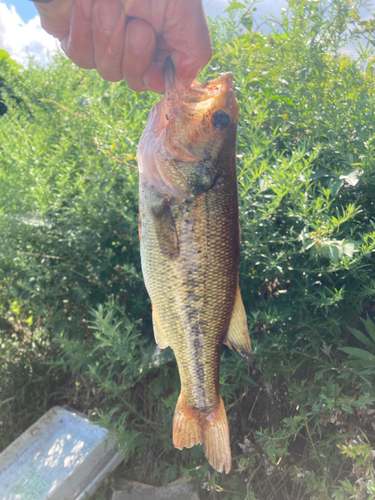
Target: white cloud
[[215, 7], [21, 39]]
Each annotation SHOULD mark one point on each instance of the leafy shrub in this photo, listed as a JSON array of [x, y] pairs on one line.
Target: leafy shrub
[[7, 66]]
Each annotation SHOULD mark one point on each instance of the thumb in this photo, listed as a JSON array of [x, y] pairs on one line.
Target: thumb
[[186, 31]]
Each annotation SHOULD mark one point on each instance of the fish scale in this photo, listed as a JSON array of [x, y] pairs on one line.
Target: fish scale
[[196, 292]]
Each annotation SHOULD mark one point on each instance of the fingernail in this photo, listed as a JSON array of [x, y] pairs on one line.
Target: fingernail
[[109, 16], [139, 38], [64, 45]]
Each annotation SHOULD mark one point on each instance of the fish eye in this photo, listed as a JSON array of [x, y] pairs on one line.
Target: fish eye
[[220, 120]]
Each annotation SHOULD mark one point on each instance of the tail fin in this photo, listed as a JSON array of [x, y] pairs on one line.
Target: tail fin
[[187, 430], [191, 428], [216, 439]]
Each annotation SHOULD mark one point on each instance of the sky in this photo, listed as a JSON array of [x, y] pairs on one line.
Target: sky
[[21, 34]]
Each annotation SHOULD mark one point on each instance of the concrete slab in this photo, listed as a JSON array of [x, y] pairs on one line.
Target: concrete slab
[[138, 491]]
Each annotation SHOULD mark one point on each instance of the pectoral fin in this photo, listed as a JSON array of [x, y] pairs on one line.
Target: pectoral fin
[[164, 226], [160, 337], [238, 337]]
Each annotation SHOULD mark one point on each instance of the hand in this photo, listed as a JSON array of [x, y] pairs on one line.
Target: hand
[[130, 39]]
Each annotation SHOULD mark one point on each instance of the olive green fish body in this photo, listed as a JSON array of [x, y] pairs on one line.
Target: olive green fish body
[[190, 253], [189, 234]]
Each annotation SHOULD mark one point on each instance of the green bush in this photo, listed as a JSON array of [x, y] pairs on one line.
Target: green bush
[[73, 306], [7, 67]]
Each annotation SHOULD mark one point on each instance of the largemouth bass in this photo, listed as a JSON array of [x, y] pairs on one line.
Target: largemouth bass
[[190, 242]]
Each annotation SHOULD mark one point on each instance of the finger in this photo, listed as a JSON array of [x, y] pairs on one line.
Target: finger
[[140, 41], [79, 46], [154, 77], [186, 31], [55, 17], [108, 28]]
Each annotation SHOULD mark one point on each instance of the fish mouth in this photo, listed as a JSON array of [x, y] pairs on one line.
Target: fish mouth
[[197, 92], [197, 97]]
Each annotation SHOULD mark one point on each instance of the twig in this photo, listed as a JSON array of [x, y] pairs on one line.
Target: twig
[[312, 442], [338, 475], [82, 276], [283, 24], [7, 401], [63, 107], [282, 484], [286, 492], [236, 402], [112, 156], [253, 474], [273, 489], [41, 255], [252, 408], [299, 491]]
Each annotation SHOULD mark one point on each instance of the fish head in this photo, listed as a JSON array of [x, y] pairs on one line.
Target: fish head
[[186, 133], [199, 116]]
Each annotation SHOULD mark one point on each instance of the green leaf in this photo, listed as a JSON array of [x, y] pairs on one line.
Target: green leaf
[[247, 21], [347, 408], [234, 6], [370, 327], [317, 174], [334, 253], [362, 337], [358, 353], [364, 400], [336, 187]]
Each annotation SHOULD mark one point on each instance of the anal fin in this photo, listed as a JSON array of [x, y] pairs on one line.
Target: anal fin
[[160, 336], [238, 338]]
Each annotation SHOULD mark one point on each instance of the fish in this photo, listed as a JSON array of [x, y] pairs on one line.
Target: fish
[[190, 244]]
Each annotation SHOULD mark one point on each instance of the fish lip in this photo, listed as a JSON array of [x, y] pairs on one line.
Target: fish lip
[[197, 92], [218, 85]]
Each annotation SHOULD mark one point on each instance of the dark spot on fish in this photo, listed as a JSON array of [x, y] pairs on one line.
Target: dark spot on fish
[[166, 116]]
